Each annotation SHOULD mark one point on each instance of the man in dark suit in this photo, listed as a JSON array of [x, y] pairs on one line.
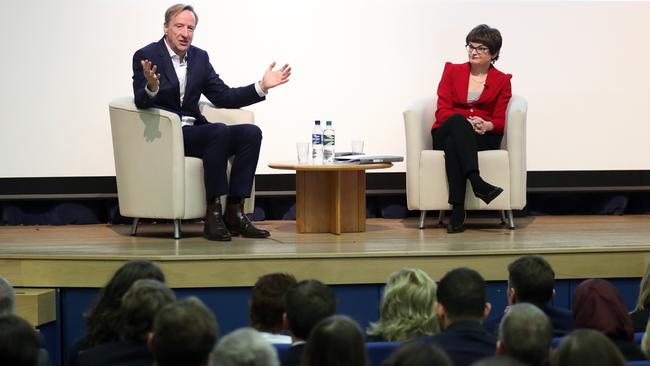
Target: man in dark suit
[[305, 304], [531, 279], [461, 309], [172, 74]]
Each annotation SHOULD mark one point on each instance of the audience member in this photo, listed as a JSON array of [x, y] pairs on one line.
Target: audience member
[[597, 305], [418, 353], [336, 340], [244, 347], [498, 361], [525, 334], [184, 333], [531, 279], [407, 307], [7, 298], [587, 347], [103, 318], [305, 304], [641, 312], [461, 309], [8, 307], [139, 307], [19, 342], [267, 306]]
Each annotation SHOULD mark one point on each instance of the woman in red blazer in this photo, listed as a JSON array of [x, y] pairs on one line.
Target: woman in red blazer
[[471, 116]]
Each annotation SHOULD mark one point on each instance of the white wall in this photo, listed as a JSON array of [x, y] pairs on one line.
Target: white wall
[[582, 66]]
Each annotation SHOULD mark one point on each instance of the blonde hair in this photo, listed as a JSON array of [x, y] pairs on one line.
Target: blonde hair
[[407, 307], [644, 291], [645, 342]]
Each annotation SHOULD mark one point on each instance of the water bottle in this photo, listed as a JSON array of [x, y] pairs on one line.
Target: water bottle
[[317, 143], [328, 143]]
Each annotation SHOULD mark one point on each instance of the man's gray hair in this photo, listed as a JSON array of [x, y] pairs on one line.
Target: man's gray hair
[[7, 298], [177, 8], [526, 333], [244, 347]]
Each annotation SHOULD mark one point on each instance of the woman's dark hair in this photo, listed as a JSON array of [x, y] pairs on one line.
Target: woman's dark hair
[[103, 318], [488, 37], [336, 340]]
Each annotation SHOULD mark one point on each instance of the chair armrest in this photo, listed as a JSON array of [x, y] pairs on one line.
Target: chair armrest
[[415, 143], [515, 143], [149, 160], [225, 115]]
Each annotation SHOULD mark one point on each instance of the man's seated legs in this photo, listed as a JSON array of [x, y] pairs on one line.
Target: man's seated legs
[[214, 143]]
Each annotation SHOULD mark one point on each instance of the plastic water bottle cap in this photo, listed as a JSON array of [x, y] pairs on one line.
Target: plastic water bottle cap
[[317, 122], [328, 123]]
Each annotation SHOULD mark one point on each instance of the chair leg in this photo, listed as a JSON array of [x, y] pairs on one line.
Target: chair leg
[[134, 226], [423, 215], [503, 217], [511, 220], [441, 216], [177, 228]]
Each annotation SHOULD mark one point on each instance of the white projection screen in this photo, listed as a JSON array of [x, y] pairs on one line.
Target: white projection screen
[[582, 66]]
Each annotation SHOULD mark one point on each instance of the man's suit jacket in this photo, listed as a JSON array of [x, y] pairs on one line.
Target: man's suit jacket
[[294, 355], [562, 321], [491, 105], [119, 353], [201, 79], [465, 342]]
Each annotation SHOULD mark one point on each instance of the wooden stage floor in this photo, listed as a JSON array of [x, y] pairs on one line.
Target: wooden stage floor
[[86, 256]]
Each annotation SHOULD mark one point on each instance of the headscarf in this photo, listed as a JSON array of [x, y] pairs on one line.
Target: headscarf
[[597, 305]]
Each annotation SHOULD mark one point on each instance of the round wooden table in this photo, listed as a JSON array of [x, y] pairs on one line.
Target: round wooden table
[[330, 197]]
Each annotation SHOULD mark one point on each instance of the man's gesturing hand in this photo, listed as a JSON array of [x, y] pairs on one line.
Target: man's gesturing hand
[[273, 78], [149, 71]]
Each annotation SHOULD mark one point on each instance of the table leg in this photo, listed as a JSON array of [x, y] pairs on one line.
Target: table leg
[[330, 201]]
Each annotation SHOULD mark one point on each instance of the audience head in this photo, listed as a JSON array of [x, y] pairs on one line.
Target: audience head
[[105, 313], [307, 303], [184, 333], [407, 307], [19, 342], [267, 301], [461, 296], [587, 347], [525, 334], [644, 291], [7, 298], [139, 307], [244, 347], [336, 340], [531, 279], [597, 305], [498, 361], [488, 37], [418, 353]]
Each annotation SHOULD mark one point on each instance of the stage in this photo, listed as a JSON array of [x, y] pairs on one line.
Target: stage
[[86, 256]]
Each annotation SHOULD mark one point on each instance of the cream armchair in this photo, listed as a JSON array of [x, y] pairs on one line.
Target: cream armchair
[[426, 181], [154, 177]]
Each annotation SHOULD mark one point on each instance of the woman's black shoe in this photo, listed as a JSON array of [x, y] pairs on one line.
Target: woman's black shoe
[[489, 196], [453, 229], [457, 227]]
